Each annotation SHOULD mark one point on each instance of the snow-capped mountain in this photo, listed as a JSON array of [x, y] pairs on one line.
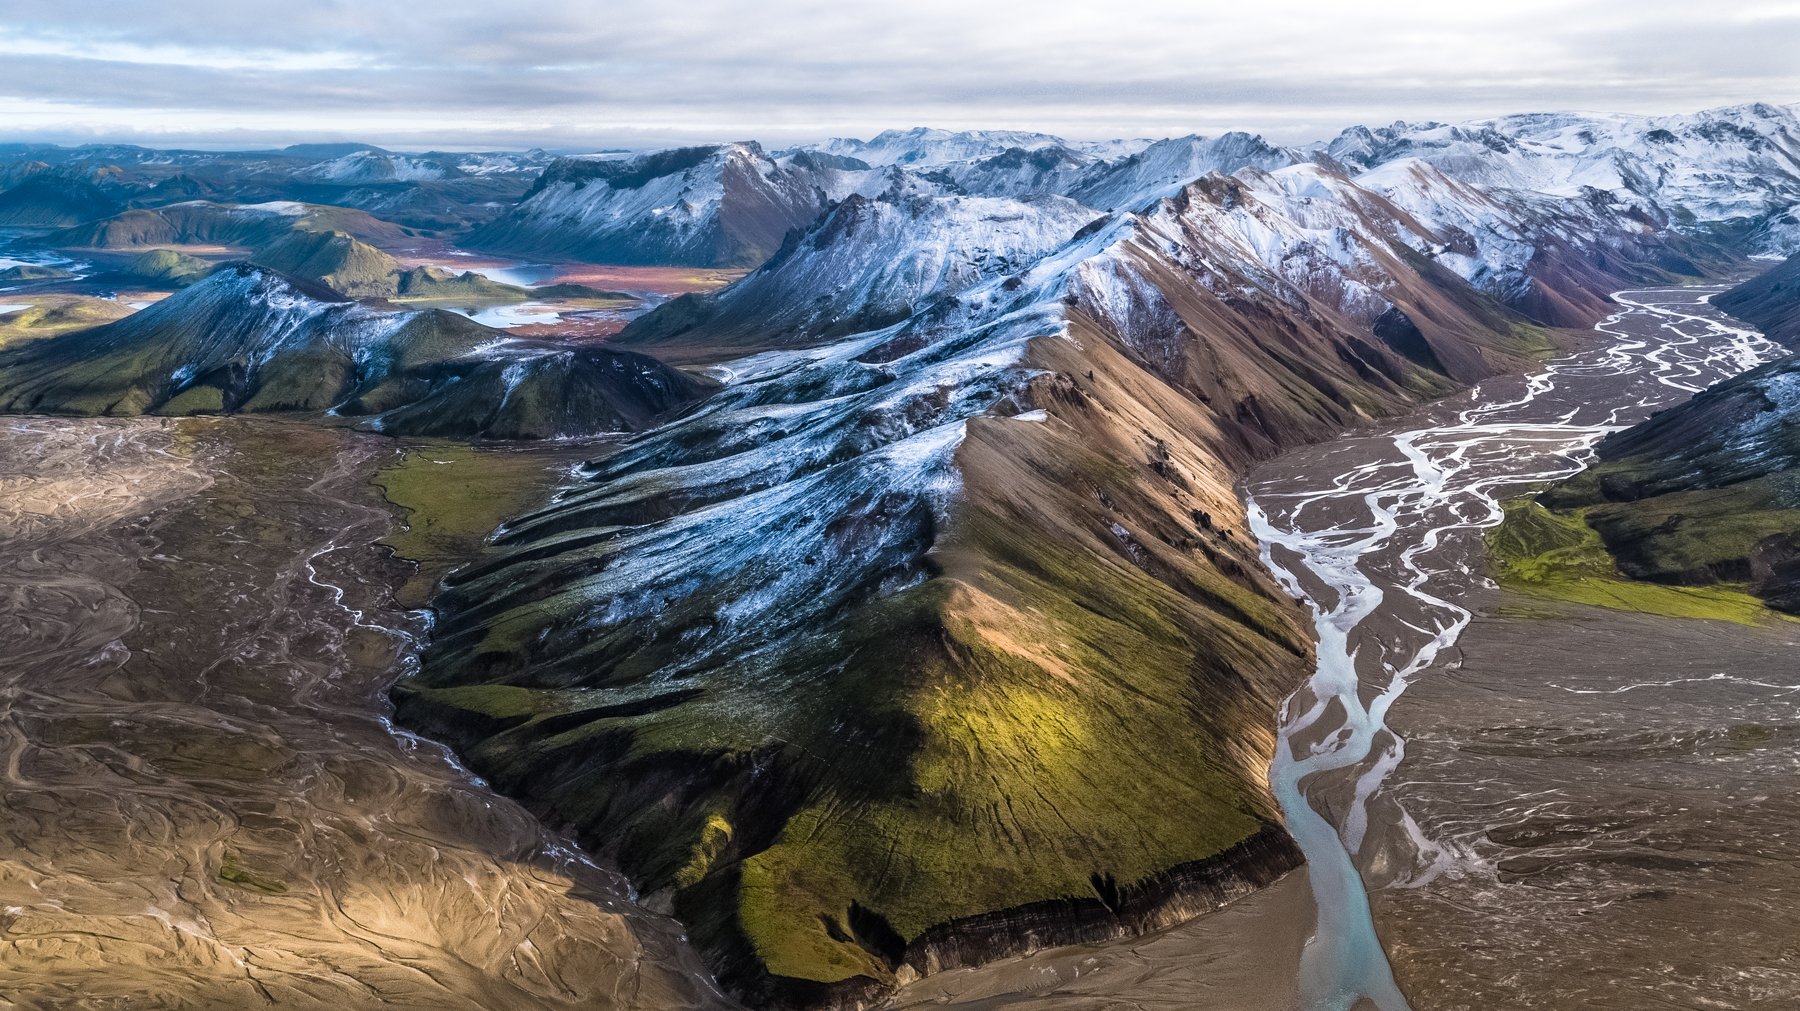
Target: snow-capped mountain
[[811, 585], [378, 166], [1102, 175], [869, 262], [1014, 172], [729, 205], [372, 165], [1167, 165], [845, 662], [924, 147], [1739, 165], [1741, 162], [1778, 234]]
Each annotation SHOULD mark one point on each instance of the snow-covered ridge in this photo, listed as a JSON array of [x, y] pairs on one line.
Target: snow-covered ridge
[[248, 339], [717, 206], [871, 261], [378, 166], [1736, 162], [733, 203]]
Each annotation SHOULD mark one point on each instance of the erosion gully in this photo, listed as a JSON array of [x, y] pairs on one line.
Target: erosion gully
[[206, 806]]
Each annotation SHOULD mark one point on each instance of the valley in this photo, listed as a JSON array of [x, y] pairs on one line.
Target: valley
[[950, 569], [1524, 802]]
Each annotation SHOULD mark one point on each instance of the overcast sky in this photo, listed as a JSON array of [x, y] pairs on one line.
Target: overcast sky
[[633, 73]]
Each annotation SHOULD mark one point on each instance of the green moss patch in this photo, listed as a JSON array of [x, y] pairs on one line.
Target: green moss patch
[[455, 495], [1561, 556], [55, 315]]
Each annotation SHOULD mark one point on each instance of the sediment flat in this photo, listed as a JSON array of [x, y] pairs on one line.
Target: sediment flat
[[204, 802]]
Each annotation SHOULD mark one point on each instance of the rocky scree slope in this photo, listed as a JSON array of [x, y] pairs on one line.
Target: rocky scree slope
[[944, 640], [248, 339]]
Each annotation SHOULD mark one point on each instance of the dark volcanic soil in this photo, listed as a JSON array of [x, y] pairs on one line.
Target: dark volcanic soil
[[1615, 795]]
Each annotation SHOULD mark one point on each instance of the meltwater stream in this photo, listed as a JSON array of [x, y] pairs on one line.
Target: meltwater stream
[[1376, 533]]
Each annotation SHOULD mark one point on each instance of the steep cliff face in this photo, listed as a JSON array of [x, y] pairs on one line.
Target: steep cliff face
[[946, 639], [248, 339]]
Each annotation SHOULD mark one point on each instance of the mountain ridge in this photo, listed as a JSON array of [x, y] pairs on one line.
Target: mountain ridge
[[248, 339]]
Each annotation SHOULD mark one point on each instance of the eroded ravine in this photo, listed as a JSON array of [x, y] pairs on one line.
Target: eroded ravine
[[1375, 532], [205, 805]]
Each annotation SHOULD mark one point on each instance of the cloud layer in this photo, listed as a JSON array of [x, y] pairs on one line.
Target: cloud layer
[[576, 73]]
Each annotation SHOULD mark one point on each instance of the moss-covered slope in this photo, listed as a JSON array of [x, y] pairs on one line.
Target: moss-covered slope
[[205, 223], [54, 315], [1706, 494], [53, 200], [347, 264], [34, 272], [997, 690], [167, 266]]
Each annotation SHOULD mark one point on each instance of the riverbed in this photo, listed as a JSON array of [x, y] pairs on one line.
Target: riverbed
[[205, 803]]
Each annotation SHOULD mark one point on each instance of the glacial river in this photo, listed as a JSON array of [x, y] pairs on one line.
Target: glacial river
[[1380, 532], [1377, 532]]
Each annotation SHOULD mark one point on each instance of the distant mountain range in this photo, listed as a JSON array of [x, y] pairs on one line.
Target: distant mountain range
[[728, 205], [433, 190]]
